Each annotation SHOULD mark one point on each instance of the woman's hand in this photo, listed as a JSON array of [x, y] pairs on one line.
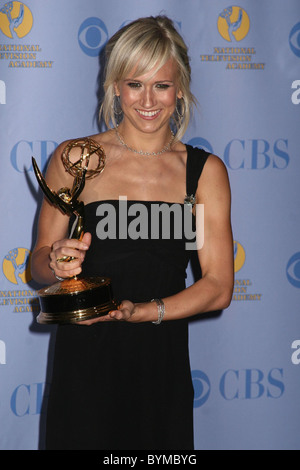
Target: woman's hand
[[69, 247], [123, 313]]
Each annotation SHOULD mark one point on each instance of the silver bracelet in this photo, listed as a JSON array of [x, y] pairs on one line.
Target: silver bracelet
[[57, 277], [161, 310]]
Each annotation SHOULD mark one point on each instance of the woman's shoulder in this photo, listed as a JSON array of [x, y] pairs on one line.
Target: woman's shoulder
[[214, 176], [74, 146], [100, 138], [215, 165]]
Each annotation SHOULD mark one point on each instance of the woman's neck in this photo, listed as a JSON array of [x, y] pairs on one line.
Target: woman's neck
[[137, 141]]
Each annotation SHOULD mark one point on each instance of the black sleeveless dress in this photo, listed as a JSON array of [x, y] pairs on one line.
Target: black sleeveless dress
[[126, 386]]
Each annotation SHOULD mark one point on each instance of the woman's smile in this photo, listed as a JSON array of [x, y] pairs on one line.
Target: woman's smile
[[148, 114]]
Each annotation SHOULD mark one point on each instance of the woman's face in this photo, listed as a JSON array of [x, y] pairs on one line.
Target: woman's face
[[148, 101]]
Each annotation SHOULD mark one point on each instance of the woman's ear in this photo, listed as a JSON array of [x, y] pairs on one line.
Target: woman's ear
[[116, 89], [179, 94]]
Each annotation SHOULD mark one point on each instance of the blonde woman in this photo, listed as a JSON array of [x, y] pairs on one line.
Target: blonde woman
[[123, 380]]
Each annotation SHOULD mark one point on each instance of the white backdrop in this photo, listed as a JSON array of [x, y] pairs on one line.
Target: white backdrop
[[246, 76]]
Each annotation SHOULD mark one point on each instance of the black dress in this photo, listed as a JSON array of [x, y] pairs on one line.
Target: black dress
[[119, 385]]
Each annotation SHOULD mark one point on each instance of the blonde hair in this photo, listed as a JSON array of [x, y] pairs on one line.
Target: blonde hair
[[147, 44]]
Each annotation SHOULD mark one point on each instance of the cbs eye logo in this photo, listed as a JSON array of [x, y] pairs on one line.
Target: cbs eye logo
[[92, 36], [294, 39], [293, 270], [201, 143], [201, 386]]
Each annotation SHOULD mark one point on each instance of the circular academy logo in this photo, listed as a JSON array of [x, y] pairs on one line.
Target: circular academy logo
[[239, 256], [92, 36], [16, 266], [16, 20], [294, 39], [201, 386], [293, 270], [233, 24]]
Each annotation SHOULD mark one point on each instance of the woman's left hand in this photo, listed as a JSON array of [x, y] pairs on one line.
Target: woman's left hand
[[123, 313]]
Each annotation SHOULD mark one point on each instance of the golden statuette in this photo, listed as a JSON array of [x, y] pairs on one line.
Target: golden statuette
[[75, 299]]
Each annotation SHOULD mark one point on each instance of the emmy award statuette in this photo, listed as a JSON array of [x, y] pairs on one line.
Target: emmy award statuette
[[75, 299]]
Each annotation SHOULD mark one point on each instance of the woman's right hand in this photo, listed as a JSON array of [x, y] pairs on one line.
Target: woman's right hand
[[69, 247]]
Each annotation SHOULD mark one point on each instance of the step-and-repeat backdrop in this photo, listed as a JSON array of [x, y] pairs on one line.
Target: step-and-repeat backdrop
[[245, 59]]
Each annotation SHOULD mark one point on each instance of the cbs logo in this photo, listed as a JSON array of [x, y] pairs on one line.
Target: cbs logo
[[92, 36], [243, 384], [293, 270]]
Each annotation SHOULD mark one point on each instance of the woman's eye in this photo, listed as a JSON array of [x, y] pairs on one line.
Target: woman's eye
[[162, 86], [134, 85]]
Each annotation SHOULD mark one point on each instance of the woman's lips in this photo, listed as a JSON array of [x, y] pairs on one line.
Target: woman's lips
[[148, 114]]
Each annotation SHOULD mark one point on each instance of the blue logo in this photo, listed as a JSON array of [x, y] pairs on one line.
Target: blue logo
[[92, 36], [243, 384], [251, 384], [23, 150], [27, 399], [294, 39], [201, 385], [293, 270], [250, 154]]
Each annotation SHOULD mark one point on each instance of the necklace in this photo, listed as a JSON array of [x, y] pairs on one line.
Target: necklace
[[140, 152]]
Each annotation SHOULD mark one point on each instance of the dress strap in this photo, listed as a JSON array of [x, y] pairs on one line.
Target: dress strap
[[196, 159]]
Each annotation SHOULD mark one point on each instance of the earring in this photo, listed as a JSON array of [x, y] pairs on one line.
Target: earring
[[181, 112], [117, 109]]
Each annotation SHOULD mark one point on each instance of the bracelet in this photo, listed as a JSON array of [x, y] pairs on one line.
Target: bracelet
[[161, 310], [57, 277]]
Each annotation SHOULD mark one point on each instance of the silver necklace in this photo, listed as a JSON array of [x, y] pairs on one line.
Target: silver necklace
[[140, 152]]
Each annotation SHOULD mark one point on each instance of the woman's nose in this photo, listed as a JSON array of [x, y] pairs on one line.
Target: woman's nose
[[148, 97]]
